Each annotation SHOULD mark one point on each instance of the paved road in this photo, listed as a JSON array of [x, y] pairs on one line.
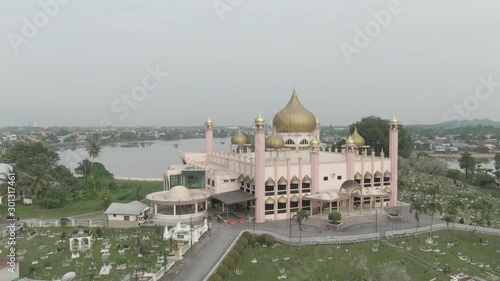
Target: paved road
[[205, 254]]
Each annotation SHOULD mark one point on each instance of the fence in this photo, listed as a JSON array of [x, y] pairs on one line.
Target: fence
[[170, 263], [52, 223], [138, 179], [442, 226]]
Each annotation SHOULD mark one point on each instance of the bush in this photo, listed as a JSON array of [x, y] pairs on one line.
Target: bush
[[238, 248], [251, 242], [50, 203], [335, 217], [269, 239], [261, 239], [215, 277], [229, 262], [234, 255], [247, 235], [223, 271], [243, 242]]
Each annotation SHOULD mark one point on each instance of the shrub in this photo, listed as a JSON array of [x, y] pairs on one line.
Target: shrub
[[335, 217], [247, 235], [223, 271], [251, 242], [269, 239], [229, 262], [243, 242], [238, 248], [215, 277], [261, 239], [234, 255]]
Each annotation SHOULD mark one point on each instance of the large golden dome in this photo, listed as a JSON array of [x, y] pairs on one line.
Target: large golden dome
[[274, 141], [357, 138], [239, 138], [294, 118]]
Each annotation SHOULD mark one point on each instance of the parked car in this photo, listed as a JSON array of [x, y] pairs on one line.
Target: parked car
[[12, 218], [68, 220]]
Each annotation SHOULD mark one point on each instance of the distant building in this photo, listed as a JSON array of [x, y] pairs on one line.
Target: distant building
[[130, 214]]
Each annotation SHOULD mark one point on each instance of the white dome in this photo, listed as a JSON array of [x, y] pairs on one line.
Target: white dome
[[178, 193]]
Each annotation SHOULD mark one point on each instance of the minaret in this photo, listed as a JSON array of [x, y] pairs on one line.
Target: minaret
[[314, 145], [350, 151], [209, 139], [316, 131], [393, 155], [260, 147]]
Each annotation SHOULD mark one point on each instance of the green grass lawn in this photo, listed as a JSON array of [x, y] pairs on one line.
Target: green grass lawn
[[125, 192], [346, 262], [43, 248]]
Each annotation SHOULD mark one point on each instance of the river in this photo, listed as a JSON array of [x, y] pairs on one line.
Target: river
[[149, 159], [139, 159]]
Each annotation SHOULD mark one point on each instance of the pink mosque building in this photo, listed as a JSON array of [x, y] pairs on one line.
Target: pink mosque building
[[285, 170]]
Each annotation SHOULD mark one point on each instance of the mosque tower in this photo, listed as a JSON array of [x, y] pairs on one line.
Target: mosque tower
[[260, 147], [393, 154], [209, 138]]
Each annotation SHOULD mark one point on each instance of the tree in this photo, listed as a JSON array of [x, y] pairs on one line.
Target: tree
[[497, 165], [94, 149], [375, 131], [418, 206], [432, 207], [468, 163], [335, 217], [300, 216]]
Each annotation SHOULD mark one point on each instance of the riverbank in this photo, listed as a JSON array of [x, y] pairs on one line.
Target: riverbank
[[126, 192], [457, 155]]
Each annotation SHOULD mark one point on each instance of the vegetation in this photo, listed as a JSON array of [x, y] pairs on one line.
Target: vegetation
[[300, 216], [398, 259], [54, 187], [376, 134], [335, 217]]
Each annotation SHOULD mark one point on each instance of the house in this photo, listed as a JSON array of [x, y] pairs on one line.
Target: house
[[130, 214]]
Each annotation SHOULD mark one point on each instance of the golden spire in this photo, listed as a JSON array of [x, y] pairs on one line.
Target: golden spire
[[209, 122], [274, 141], [394, 121], [357, 138], [350, 142], [260, 121], [239, 138], [314, 143], [294, 118]]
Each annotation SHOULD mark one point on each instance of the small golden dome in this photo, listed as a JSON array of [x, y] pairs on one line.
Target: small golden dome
[[209, 122], [239, 138], [314, 143], [274, 141], [357, 138], [350, 142], [260, 121], [294, 118], [317, 122], [394, 121]]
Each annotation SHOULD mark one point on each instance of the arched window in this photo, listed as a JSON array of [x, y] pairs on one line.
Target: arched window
[[289, 141], [304, 141]]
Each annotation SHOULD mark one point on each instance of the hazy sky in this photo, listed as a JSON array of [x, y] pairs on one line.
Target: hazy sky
[[86, 57]]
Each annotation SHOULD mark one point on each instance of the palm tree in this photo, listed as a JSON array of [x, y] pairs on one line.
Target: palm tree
[[21, 185], [418, 206], [300, 216], [39, 182], [433, 207], [94, 149]]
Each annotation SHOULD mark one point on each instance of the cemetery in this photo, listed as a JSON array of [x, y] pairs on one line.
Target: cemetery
[[51, 253], [432, 256]]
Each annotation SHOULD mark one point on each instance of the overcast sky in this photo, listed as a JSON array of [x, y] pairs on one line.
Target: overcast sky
[[243, 57]]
